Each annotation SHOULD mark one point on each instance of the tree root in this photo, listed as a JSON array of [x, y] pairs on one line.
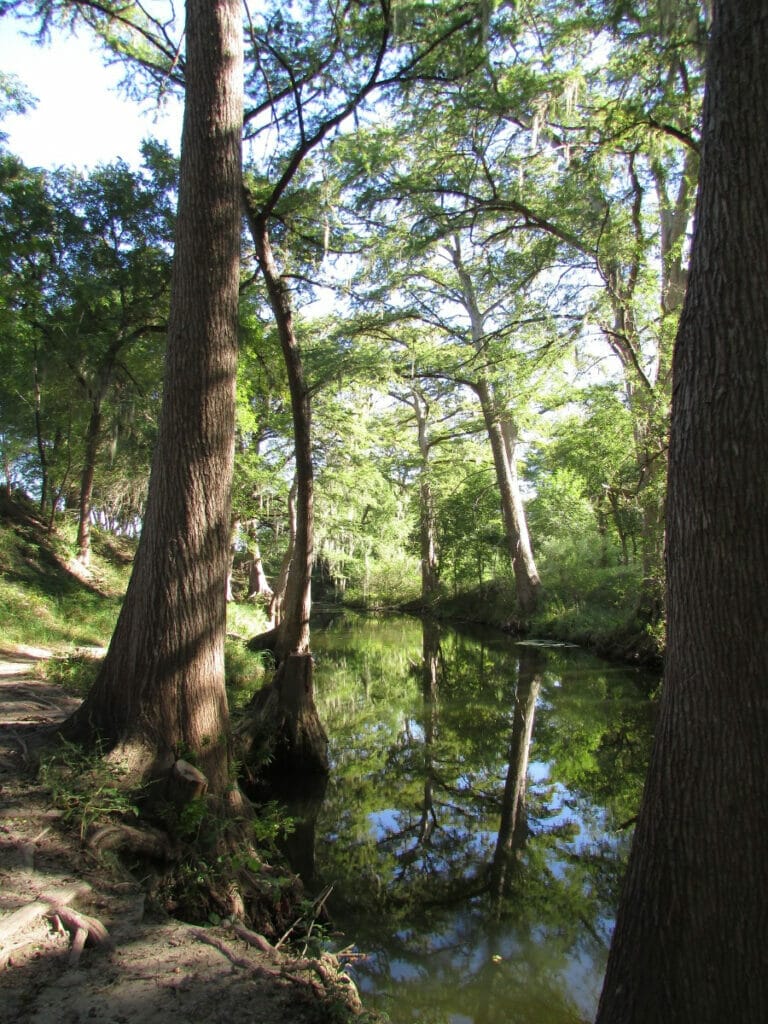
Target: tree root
[[83, 928], [145, 841], [333, 984], [53, 905]]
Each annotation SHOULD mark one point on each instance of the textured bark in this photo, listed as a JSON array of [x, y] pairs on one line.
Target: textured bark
[[527, 582], [283, 714], [86, 484], [690, 940], [258, 584], [280, 738], [161, 687]]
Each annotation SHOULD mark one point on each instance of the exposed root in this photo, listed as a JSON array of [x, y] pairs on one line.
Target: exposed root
[[145, 841], [83, 928], [53, 905]]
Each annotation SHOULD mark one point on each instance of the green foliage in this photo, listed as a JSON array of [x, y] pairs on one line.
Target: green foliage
[[74, 673], [508, 213], [84, 276], [221, 852], [244, 670], [86, 786], [411, 821]]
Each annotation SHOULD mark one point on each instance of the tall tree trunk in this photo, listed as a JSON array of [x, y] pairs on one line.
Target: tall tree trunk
[[690, 939], [161, 691], [294, 628], [86, 484], [527, 581], [512, 825], [282, 716], [430, 576], [42, 454], [526, 573]]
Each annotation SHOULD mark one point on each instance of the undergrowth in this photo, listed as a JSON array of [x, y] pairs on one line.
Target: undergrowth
[[88, 788]]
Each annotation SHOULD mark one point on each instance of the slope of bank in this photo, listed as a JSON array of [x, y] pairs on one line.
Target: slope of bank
[[607, 624], [81, 935]]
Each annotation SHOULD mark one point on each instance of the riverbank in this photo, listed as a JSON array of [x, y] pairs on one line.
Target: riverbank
[[79, 937], [609, 628]]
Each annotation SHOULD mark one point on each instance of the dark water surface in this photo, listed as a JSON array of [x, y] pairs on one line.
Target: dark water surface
[[478, 816]]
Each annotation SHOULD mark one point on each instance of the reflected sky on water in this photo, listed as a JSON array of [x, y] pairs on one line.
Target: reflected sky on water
[[478, 816]]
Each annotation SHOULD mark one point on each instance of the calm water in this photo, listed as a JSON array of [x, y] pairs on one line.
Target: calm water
[[477, 819]]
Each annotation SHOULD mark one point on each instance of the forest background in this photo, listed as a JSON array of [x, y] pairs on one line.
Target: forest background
[[485, 246]]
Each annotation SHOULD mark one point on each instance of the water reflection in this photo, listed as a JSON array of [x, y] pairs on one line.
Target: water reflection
[[472, 826]]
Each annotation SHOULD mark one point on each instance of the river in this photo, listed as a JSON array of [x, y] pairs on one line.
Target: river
[[477, 819]]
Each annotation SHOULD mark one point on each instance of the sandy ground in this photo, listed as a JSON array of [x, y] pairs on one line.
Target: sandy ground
[[147, 971]]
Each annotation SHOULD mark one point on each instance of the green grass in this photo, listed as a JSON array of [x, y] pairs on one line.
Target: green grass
[[46, 601], [43, 601]]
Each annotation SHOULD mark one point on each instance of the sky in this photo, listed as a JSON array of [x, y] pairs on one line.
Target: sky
[[80, 120]]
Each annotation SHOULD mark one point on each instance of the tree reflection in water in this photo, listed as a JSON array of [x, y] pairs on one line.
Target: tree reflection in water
[[472, 823]]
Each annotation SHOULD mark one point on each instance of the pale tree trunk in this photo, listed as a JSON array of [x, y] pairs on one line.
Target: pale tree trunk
[[258, 584], [430, 575], [277, 601], [160, 691], [512, 825], [234, 530], [527, 581], [529, 584], [690, 939]]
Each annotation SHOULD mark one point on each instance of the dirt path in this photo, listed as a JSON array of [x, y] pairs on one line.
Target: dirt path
[[153, 972]]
